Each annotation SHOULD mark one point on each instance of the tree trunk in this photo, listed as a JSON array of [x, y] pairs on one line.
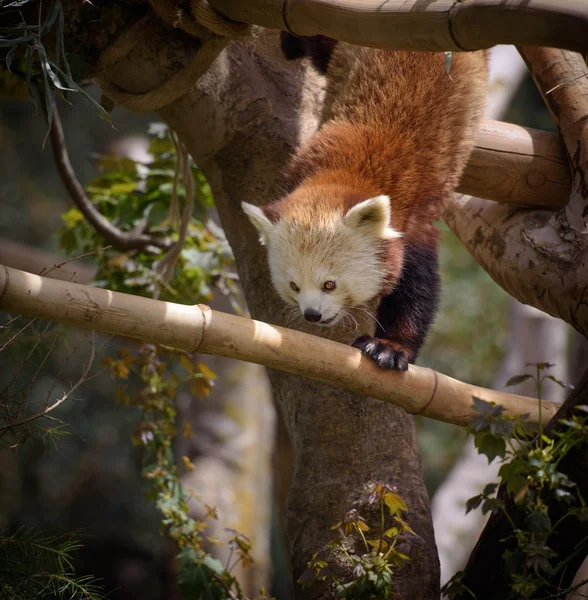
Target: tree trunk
[[241, 123]]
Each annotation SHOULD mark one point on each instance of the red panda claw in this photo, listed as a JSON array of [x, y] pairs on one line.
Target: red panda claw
[[384, 355]]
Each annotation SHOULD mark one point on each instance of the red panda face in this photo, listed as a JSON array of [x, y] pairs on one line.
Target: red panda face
[[330, 261]]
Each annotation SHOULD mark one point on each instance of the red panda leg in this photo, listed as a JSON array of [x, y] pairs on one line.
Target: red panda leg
[[406, 314]]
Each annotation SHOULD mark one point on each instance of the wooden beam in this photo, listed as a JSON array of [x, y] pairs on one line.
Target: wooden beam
[[200, 329], [518, 165], [562, 79], [417, 25]]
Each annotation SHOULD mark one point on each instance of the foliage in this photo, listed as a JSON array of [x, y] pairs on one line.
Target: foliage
[[531, 486], [201, 575], [22, 49], [129, 193], [370, 562], [39, 566]]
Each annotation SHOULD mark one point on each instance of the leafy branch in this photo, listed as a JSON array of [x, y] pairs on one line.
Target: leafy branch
[[122, 240], [27, 38], [33, 565], [535, 496]]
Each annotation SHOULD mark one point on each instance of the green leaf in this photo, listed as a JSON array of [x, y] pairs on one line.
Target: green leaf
[[123, 188], [517, 379], [566, 386], [213, 564], [539, 523], [514, 475], [10, 56], [490, 488], [490, 445], [73, 86], [72, 217], [473, 503]]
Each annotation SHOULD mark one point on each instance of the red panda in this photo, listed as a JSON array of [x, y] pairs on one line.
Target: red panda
[[363, 192]]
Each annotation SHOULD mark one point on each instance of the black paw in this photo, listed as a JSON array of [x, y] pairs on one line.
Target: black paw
[[387, 355]]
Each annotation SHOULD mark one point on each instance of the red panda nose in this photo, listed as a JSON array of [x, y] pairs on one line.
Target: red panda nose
[[312, 315]]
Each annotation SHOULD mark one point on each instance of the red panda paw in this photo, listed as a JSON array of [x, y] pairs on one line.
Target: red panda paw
[[386, 354]]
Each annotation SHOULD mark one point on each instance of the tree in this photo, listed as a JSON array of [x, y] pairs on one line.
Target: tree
[[240, 121]]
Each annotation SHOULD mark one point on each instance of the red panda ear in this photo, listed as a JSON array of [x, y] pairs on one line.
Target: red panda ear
[[372, 216], [259, 220]]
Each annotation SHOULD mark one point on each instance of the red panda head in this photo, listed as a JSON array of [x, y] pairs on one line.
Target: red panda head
[[327, 256]]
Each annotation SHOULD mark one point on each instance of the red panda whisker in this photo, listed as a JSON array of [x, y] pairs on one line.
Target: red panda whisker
[[369, 313]]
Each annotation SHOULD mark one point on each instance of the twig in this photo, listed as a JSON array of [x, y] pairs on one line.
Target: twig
[[122, 240], [165, 267], [24, 362], [44, 272], [16, 334], [83, 378], [34, 378]]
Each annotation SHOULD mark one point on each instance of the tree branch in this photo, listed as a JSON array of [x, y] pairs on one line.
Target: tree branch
[[517, 165], [417, 25], [500, 238], [122, 240], [84, 377], [562, 79], [200, 329]]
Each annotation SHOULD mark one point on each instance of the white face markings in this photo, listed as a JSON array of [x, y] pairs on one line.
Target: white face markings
[[332, 264]]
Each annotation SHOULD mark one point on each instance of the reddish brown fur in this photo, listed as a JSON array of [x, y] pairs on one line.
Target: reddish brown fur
[[394, 123]]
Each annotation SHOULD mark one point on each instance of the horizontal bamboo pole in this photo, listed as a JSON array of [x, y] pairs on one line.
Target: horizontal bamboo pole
[[517, 165], [200, 329], [417, 25]]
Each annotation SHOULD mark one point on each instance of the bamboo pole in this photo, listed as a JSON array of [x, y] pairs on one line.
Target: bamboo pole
[[200, 329], [517, 165], [416, 25]]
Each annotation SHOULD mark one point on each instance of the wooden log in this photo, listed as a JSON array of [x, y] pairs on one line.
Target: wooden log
[[417, 25], [562, 79], [200, 329], [518, 165]]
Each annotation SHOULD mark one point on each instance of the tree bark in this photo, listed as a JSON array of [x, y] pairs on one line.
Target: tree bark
[[241, 123], [539, 257], [498, 237], [562, 79]]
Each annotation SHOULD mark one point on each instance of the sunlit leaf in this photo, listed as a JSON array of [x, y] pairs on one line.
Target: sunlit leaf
[[395, 503], [200, 388], [206, 371]]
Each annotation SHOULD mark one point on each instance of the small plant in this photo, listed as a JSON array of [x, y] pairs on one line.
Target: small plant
[[370, 561], [33, 565], [531, 486]]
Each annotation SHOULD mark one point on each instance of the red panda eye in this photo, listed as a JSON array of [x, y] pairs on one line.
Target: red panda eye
[[294, 286], [329, 286]]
